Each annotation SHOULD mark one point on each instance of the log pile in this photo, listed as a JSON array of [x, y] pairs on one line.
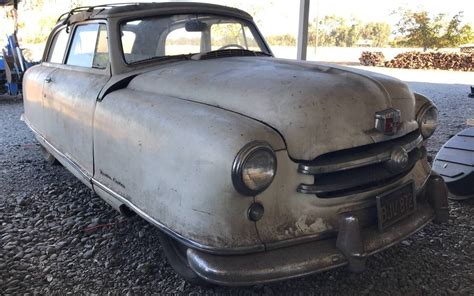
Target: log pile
[[467, 49], [369, 58], [421, 60], [433, 60]]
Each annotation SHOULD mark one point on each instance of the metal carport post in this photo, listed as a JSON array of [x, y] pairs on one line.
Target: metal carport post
[[303, 30]]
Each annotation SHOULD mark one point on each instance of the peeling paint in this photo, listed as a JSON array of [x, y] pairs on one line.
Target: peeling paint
[[306, 225]]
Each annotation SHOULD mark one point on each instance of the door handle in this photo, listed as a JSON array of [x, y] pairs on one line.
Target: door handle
[[48, 80]]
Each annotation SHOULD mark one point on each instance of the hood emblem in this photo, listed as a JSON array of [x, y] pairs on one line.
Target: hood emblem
[[387, 121]]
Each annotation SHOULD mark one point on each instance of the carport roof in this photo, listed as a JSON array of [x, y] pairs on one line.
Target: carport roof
[[131, 10]]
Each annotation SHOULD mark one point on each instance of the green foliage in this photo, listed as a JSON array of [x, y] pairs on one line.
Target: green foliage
[[41, 32], [420, 29], [286, 40], [379, 33], [455, 33], [337, 31], [332, 29], [45, 13]]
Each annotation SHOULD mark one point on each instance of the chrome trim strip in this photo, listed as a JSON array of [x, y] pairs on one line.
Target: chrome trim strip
[[201, 267], [188, 242], [269, 266], [356, 163]]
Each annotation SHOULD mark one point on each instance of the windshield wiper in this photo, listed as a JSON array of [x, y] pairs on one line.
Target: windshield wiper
[[228, 53]]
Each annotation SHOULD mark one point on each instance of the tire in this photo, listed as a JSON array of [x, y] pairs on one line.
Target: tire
[[176, 255], [50, 159]]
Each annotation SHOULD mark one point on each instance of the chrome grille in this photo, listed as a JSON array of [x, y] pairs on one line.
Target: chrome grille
[[358, 169]]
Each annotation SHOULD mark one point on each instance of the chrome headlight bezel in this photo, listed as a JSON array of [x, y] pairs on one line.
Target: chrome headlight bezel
[[428, 109], [240, 161]]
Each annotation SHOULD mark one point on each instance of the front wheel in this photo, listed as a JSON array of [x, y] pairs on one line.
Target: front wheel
[[175, 252]]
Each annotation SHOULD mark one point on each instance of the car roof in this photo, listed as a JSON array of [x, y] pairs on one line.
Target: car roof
[[130, 10]]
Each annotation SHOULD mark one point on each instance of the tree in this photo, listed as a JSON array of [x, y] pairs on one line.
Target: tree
[[379, 33], [38, 17], [419, 29], [337, 31], [353, 32], [455, 34], [285, 40], [332, 31]]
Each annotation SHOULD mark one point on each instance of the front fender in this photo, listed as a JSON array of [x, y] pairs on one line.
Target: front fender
[[173, 158]]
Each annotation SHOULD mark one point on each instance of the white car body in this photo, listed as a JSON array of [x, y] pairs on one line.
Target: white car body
[[161, 139]]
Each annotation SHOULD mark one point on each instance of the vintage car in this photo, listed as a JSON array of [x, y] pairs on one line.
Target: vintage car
[[256, 169]]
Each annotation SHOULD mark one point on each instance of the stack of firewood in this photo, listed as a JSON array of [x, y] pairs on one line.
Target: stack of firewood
[[433, 60], [369, 58]]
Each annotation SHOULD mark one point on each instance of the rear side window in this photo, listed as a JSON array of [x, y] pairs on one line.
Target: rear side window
[[89, 47], [58, 47]]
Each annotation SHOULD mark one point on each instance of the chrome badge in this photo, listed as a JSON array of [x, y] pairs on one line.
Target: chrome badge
[[398, 159], [387, 121]]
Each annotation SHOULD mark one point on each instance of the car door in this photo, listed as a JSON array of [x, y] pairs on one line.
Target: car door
[[35, 79], [71, 92]]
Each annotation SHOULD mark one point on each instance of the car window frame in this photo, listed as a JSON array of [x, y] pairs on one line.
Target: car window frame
[[51, 42], [72, 29]]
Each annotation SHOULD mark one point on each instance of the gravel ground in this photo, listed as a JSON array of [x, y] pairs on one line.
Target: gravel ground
[[56, 237]]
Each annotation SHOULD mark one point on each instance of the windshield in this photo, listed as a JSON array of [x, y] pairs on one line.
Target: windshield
[[155, 37]]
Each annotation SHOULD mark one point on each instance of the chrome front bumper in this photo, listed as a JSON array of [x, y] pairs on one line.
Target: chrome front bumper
[[351, 247]]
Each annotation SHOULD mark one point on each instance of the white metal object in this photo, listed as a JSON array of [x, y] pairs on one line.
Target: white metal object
[[302, 44], [162, 137]]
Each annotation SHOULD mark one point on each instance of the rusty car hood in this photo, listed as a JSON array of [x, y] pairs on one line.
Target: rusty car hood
[[317, 108]]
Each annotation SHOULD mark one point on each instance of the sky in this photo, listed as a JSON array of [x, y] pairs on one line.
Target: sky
[[281, 16]]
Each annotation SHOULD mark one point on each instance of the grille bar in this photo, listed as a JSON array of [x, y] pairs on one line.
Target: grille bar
[[372, 155], [357, 180], [359, 169]]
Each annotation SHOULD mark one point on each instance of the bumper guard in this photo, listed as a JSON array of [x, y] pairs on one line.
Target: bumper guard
[[351, 247]]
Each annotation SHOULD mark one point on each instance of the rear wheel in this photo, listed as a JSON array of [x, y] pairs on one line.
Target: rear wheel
[[175, 252], [50, 159]]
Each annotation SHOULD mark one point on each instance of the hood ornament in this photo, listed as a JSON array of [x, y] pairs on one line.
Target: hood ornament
[[388, 121]]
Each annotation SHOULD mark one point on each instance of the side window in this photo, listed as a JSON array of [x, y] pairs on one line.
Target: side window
[[89, 47], [180, 41], [101, 57], [58, 47], [128, 39]]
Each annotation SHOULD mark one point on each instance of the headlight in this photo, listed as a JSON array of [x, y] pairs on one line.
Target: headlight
[[427, 120], [254, 168]]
